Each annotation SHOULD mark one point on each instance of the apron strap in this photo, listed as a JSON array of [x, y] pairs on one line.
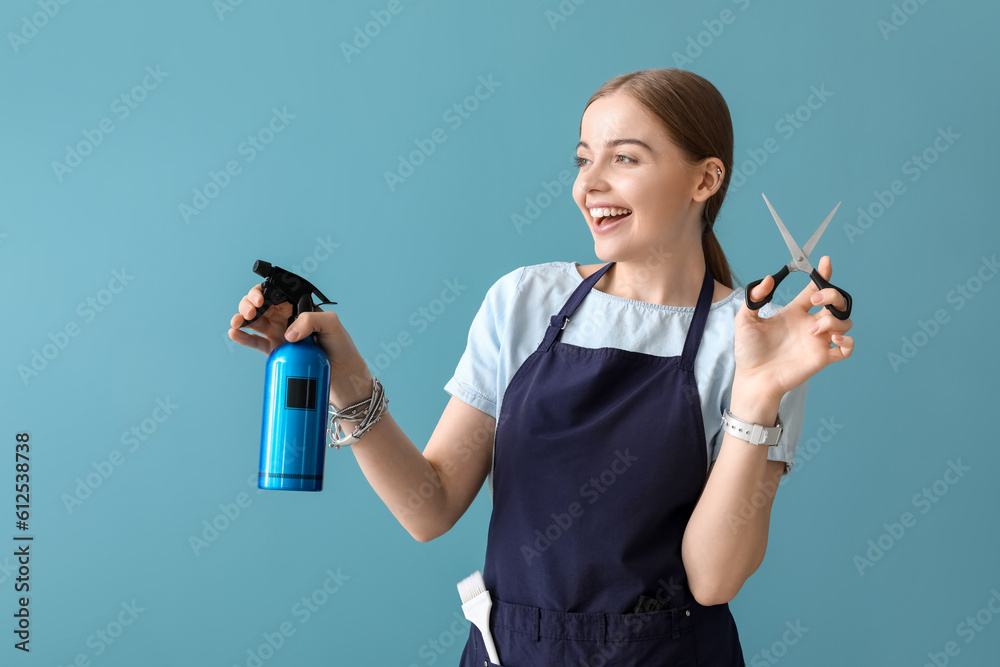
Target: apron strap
[[558, 322], [697, 328]]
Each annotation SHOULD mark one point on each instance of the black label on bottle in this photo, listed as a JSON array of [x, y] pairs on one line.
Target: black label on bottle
[[300, 393]]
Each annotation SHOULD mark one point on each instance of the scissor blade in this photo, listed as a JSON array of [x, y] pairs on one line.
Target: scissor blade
[[808, 247], [797, 255]]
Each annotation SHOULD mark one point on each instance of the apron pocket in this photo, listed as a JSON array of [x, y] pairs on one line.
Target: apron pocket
[[527, 636]]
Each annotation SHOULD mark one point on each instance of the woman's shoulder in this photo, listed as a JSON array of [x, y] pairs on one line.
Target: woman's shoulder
[[534, 283], [547, 274]]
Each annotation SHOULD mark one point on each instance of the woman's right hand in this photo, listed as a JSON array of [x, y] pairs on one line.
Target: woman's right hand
[[272, 324], [350, 380], [457, 456]]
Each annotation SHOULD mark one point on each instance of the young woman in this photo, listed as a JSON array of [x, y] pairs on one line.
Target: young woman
[[625, 518]]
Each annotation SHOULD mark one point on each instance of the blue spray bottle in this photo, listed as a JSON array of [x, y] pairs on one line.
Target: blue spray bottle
[[296, 392]]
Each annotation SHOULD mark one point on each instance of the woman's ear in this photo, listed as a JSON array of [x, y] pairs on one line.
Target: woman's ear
[[709, 176]]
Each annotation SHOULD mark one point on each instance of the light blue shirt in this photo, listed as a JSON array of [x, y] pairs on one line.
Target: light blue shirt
[[515, 314]]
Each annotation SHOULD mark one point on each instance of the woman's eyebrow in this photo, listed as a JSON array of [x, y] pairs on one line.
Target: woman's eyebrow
[[618, 142]]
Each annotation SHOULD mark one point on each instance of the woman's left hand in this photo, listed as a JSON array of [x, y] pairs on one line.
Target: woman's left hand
[[778, 353]]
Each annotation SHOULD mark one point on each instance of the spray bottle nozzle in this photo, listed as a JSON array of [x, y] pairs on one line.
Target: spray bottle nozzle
[[262, 268], [280, 286]]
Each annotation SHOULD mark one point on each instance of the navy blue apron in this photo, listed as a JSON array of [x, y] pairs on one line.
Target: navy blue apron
[[600, 457]]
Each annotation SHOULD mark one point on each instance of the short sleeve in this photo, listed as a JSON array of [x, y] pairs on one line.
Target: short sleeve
[[792, 411], [475, 380]]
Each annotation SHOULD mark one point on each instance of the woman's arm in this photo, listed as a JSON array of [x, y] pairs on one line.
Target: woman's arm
[[726, 537], [429, 491], [426, 491], [722, 546]]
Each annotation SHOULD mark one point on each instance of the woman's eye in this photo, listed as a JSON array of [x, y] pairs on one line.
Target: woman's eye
[[581, 161]]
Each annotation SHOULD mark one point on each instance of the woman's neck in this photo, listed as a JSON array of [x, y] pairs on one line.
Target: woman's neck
[[657, 275]]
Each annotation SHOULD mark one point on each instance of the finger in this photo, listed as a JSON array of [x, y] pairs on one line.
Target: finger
[[309, 323], [249, 340], [825, 268], [843, 347], [827, 323], [265, 325], [828, 295], [763, 289], [804, 298], [247, 308], [256, 296]]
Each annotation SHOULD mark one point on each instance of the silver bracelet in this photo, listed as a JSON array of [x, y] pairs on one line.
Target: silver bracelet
[[362, 410]]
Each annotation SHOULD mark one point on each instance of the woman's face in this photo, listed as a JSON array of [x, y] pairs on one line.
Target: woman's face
[[627, 161]]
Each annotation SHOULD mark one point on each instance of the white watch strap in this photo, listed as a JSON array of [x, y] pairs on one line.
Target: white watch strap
[[755, 434]]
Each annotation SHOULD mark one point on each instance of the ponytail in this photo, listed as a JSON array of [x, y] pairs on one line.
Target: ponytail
[[716, 259]]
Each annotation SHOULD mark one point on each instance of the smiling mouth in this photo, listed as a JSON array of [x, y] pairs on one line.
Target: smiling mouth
[[602, 215], [608, 219]]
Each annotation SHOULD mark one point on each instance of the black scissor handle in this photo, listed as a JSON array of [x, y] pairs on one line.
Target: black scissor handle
[[778, 277], [822, 283]]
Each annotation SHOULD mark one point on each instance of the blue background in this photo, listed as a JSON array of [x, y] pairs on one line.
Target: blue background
[[316, 198]]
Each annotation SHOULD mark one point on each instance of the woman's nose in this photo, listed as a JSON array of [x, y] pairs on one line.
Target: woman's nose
[[592, 177]]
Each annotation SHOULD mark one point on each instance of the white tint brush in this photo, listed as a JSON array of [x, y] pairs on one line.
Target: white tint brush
[[476, 604]]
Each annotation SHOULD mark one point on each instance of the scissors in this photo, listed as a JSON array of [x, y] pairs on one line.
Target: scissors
[[800, 262]]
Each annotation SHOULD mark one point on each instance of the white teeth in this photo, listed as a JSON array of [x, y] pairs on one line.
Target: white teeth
[[605, 212]]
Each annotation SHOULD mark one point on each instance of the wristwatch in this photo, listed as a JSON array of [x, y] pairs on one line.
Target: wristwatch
[[755, 434]]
